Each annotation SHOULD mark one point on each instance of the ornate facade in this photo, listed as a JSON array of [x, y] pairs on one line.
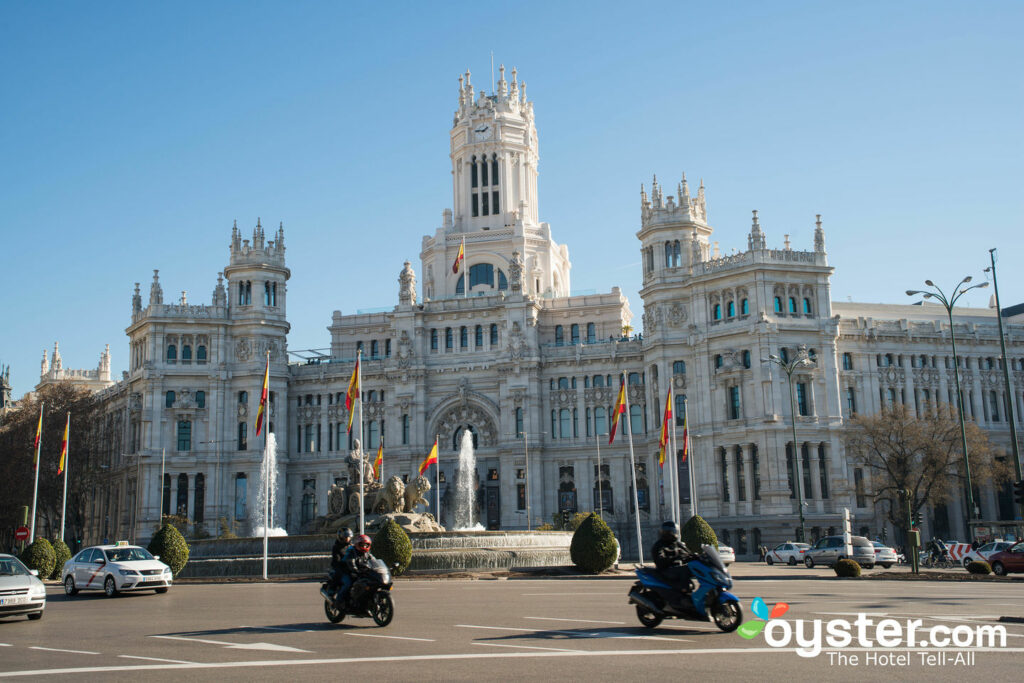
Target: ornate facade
[[502, 347]]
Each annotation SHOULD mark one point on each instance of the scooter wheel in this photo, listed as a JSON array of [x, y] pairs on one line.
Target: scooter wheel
[[727, 616], [383, 609], [334, 615], [647, 617]]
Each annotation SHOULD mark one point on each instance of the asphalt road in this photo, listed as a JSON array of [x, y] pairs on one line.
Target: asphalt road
[[574, 629]]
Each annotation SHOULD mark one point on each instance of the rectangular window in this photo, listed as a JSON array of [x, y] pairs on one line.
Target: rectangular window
[[405, 430], [851, 401], [724, 462], [519, 423], [484, 209], [734, 403], [520, 496], [242, 436], [310, 441], [600, 427], [184, 436], [823, 470], [801, 398], [240, 495], [494, 202], [483, 175], [476, 204]]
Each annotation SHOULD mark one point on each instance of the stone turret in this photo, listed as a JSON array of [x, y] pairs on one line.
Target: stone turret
[[756, 239], [819, 235], [156, 292]]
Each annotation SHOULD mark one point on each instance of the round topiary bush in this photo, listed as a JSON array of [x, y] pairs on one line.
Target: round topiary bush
[[696, 532], [62, 554], [593, 548], [170, 545], [392, 545], [979, 567], [847, 568], [39, 555]]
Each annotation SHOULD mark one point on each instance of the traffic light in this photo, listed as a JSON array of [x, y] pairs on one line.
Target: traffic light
[[915, 523], [1018, 492]]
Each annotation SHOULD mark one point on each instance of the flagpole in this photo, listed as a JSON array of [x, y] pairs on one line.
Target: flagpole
[[437, 479], [359, 397], [160, 512], [600, 497], [674, 467], [35, 464], [465, 277], [689, 454], [632, 467], [266, 485], [526, 450], [67, 461]]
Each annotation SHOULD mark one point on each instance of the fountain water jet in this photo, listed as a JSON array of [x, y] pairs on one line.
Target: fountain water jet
[[465, 486], [268, 469]]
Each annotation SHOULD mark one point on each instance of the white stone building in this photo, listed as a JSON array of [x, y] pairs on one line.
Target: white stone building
[[531, 368]]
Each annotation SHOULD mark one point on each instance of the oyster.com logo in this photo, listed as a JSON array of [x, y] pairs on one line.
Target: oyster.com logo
[[751, 629]]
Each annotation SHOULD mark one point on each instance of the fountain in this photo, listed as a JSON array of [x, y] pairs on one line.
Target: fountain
[[465, 486], [267, 484]]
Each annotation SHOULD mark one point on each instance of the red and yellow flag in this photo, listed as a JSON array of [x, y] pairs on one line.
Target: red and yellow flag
[[664, 429], [460, 257], [64, 447], [39, 434], [430, 460], [686, 434], [379, 462], [620, 408], [352, 394], [263, 398]]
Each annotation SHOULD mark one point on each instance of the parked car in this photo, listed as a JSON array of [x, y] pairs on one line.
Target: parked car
[[788, 552], [115, 568], [831, 549], [1008, 561], [983, 553], [21, 591], [884, 555], [727, 554]]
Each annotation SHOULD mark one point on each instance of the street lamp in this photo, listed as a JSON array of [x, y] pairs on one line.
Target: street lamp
[[801, 361], [948, 302]]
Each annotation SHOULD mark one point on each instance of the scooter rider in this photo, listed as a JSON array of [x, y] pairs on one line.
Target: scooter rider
[[356, 558], [341, 545], [670, 557]]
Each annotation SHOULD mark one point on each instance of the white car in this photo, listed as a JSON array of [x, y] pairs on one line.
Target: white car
[[884, 555], [983, 552], [788, 552], [115, 568], [727, 554], [21, 591]]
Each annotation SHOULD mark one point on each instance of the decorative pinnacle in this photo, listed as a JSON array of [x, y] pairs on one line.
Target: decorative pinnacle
[[817, 220]]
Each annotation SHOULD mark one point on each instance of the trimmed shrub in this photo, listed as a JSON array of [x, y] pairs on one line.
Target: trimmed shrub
[[847, 568], [170, 545], [39, 555], [978, 567], [61, 555], [696, 532], [392, 545], [593, 548]]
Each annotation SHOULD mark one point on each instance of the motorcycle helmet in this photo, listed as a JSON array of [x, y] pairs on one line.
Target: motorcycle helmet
[[669, 532], [362, 543], [345, 534]]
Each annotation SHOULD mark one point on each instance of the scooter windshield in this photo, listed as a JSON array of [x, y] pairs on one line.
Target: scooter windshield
[[713, 558]]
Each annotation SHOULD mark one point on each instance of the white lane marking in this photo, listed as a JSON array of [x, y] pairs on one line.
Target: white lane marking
[[157, 659], [5, 645], [578, 634], [276, 628], [236, 646], [193, 640], [582, 621], [465, 656], [527, 647], [533, 595], [377, 635], [57, 649]]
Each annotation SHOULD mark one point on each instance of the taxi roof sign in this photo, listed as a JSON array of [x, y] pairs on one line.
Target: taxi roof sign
[[121, 544]]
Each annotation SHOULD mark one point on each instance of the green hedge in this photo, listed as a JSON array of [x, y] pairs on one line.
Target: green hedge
[[170, 545], [39, 555], [979, 567], [392, 545], [696, 532], [62, 554], [847, 568], [593, 548]]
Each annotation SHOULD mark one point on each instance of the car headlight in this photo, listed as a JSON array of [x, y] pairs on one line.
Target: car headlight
[[38, 590], [127, 572]]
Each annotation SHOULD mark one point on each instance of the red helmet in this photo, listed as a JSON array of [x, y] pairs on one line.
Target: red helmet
[[362, 543]]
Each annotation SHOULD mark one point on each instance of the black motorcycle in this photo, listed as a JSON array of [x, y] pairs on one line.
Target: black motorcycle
[[369, 596]]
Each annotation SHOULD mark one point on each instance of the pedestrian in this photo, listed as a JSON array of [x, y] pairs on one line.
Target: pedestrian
[[975, 545]]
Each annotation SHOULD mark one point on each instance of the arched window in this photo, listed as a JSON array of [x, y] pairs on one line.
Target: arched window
[[574, 334], [460, 286], [186, 353], [266, 293], [502, 280], [199, 503], [481, 274], [807, 306], [591, 333], [669, 252], [201, 354], [457, 437], [717, 312], [448, 339], [559, 335], [679, 367], [474, 179], [243, 397], [182, 507], [172, 353], [778, 304], [744, 307], [494, 169], [433, 339], [169, 399], [676, 261], [494, 334], [464, 337], [478, 336], [200, 399], [731, 309], [847, 361]]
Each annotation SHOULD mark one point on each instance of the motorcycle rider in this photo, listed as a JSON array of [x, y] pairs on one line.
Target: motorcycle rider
[[356, 559], [338, 569], [670, 557], [938, 550]]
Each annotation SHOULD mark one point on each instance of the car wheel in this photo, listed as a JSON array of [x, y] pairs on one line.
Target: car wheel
[[769, 560], [69, 585], [809, 562], [163, 589], [888, 565], [35, 616], [998, 569], [109, 587], [792, 561]]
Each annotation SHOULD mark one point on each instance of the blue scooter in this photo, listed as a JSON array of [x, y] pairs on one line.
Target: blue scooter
[[657, 600]]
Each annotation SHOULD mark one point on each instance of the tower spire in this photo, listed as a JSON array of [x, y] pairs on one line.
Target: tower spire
[[819, 235], [756, 238]]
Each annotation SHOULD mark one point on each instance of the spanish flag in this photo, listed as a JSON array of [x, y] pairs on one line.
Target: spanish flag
[[39, 434], [460, 257], [664, 429], [352, 394], [379, 462], [263, 398], [430, 460], [686, 433], [620, 408], [64, 447]]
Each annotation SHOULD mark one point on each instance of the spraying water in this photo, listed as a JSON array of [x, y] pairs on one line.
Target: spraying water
[[268, 469], [465, 486]]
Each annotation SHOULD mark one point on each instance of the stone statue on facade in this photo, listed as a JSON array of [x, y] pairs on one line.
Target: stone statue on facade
[[407, 286]]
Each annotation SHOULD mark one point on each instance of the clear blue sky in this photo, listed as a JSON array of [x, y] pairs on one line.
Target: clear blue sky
[[132, 134]]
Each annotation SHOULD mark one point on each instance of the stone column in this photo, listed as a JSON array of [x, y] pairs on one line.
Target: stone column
[[730, 468], [748, 476]]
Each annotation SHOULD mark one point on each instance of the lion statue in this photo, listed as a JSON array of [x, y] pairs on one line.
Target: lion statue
[[415, 493], [390, 497]]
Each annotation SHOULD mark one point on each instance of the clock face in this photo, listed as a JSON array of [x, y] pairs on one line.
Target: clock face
[[482, 132]]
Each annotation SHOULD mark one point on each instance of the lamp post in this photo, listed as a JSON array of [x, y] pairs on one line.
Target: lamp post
[[802, 360], [948, 302]]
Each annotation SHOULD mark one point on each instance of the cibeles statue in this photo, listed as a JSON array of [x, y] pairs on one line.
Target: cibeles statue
[[356, 459]]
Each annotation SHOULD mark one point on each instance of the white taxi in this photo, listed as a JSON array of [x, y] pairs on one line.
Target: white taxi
[[21, 591], [788, 552], [115, 568]]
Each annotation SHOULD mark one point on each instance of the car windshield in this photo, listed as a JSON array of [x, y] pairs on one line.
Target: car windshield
[[713, 557], [12, 566], [802, 545], [127, 554]]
